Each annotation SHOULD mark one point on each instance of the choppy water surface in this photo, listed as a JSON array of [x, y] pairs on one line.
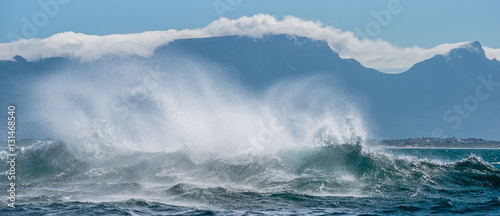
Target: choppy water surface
[[342, 179]]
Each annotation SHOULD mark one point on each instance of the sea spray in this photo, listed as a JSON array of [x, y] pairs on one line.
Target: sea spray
[[190, 105], [130, 137]]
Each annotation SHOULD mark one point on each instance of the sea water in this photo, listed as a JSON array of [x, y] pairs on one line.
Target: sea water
[[343, 179], [186, 139]]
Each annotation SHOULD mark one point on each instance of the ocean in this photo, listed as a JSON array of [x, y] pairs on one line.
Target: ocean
[[185, 139], [54, 178]]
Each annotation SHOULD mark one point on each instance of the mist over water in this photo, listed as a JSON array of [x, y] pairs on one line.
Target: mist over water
[[186, 137], [191, 105]]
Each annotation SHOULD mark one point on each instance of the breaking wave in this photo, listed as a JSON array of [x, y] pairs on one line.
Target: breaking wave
[[184, 134], [52, 173]]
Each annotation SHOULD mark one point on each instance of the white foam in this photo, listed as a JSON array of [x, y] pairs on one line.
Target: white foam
[[188, 104]]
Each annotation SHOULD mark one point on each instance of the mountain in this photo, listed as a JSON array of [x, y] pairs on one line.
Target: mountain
[[259, 62], [456, 94], [441, 94]]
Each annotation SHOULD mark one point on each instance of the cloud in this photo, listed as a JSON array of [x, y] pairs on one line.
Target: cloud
[[492, 53], [378, 54]]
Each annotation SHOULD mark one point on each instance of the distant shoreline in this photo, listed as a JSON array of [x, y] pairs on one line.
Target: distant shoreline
[[422, 147], [437, 143]]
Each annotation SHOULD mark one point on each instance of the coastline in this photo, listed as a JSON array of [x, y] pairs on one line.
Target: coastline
[[435, 147]]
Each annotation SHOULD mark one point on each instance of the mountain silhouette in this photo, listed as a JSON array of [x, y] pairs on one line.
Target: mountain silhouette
[[456, 94]]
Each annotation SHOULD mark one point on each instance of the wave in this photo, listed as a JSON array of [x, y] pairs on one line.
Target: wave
[[183, 103], [342, 170], [183, 133]]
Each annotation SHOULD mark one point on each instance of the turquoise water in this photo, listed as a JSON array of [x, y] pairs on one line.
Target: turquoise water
[[491, 156], [347, 179]]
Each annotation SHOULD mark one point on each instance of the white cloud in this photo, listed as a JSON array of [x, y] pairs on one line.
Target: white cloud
[[378, 54], [492, 53]]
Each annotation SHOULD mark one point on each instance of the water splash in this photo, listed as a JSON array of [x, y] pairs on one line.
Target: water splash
[[191, 105]]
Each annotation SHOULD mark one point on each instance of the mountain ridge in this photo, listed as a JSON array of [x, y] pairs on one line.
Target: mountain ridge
[[408, 104]]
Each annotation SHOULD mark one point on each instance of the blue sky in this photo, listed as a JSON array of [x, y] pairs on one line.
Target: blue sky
[[423, 23]]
